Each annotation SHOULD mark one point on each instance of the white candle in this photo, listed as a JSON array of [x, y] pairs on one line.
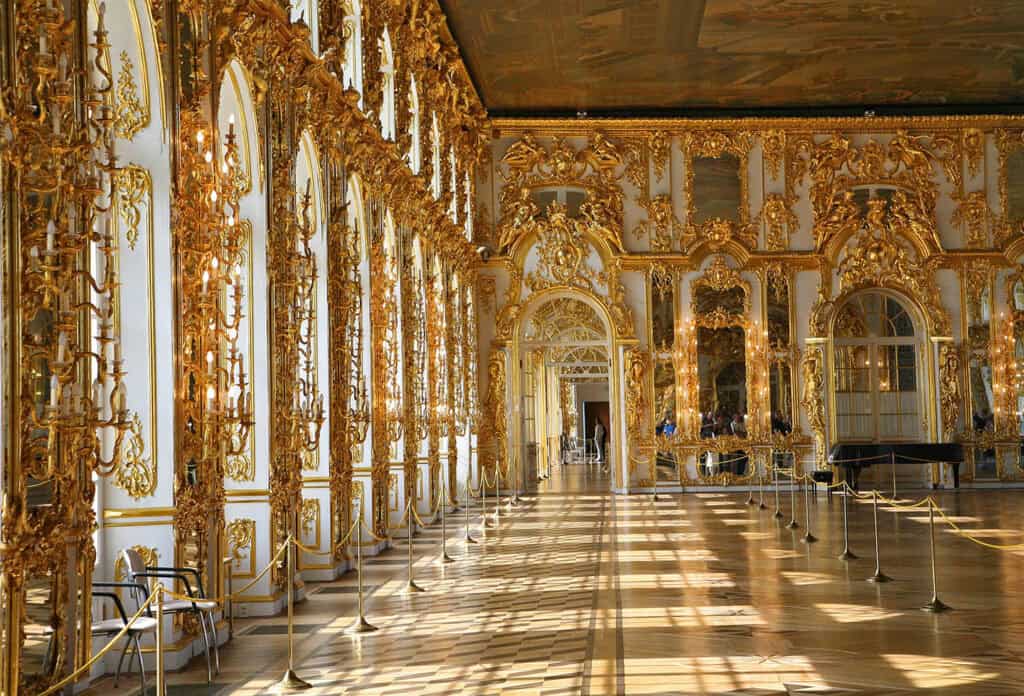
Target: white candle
[[97, 392], [206, 281], [51, 235], [62, 347], [54, 391]]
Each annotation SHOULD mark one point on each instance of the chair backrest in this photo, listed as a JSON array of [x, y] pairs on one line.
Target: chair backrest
[[133, 562]]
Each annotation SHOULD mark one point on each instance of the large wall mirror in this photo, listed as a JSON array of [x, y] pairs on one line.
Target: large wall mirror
[[1011, 176], [721, 307], [717, 188], [978, 319]]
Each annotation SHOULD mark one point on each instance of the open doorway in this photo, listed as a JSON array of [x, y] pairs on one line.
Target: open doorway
[[565, 392]]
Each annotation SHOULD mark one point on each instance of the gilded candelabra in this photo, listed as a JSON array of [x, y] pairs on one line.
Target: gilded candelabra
[[216, 402], [57, 148]]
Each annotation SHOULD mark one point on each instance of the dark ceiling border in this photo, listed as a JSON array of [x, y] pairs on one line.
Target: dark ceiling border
[[858, 111]]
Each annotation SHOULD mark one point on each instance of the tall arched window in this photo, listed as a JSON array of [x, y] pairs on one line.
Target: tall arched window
[[876, 370], [415, 155], [435, 155], [387, 85], [354, 49]]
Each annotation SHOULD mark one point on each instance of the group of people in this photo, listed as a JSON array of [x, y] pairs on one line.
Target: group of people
[[719, 424]]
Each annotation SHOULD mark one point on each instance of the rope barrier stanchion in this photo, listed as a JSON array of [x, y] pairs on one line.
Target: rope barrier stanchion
[[808, 538], [484, 523], [778, 506], [497, 498], [291, 681], [469, 537], [793, 524], [936, 605], [760, 486], [444, 558], [411, 587], [361, 625], [879, 576], [761, 504], [654, 495], [161, 676], [847, 554], [515, 501], [892, 465]]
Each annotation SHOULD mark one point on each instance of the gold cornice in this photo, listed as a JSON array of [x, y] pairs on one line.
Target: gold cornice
[[246, 493], [564, 127]]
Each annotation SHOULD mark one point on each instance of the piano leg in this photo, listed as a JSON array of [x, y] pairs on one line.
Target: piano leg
[[956, 473]]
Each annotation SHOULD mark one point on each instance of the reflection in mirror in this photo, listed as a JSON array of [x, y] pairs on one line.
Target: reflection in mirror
[[662, 316], [39, 334], [1015, 185], [717, 191], [979, 318], [40, 651], [778, 313], [1018, 295], [981, 394], [781, 387], [666, 468], [731, 300], [782, 460], [722, 376], [985, 466], [711, 464]]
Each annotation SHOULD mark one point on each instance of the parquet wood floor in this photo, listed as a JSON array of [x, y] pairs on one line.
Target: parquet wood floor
[[580, 592]]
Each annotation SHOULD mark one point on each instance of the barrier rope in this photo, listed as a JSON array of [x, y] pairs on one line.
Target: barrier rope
[[330, 552], [106, 648], [236, 595], [970, 537]]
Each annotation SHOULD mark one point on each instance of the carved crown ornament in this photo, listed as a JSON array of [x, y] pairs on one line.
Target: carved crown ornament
[[528, 165], [883, 254], [907, 163]]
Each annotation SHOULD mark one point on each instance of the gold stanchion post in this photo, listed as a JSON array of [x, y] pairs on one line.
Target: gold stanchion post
[[760, 486], [411, 587], [793, 524], [879, 576], [892, 463], [161, 685], [497, 497], [808, 538], [515, 501], [936, 606], [445, 558], [469, 500], [483, 506], [778, 508], [847, 554], [361, 625], [291, 681]]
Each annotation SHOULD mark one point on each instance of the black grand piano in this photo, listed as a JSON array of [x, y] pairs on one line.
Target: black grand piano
[[854, 457]]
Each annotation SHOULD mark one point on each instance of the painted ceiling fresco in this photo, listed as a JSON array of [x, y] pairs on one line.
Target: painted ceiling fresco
[[594, 55]]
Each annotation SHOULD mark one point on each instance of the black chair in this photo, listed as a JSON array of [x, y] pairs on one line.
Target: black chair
[[111, 627], [196, 604]]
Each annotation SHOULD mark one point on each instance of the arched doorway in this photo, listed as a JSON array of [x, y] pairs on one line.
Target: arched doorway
[[563, 386], [878, 369]]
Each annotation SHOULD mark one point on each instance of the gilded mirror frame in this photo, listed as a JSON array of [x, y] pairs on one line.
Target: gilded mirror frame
[[713, 145]]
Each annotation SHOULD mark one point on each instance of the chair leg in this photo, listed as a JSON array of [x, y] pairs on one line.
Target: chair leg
[[120, 660], [206, 640], [142, 666], [216, 647]]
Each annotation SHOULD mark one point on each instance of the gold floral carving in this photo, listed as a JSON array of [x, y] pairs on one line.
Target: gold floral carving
[[240, 535], [906, 162], [950, 368], [130, 115], [136, 475], [1007, 142], [563, 249], [659, 144], [309, 517], [972, 213], [487, 291], [773, 147], [636, 394], [972, 141], [134, 189], [663, 279], [779, 222], [719, 276], [812, 400], [494, 427], [240, 467], [528, 165], [661, 222]]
